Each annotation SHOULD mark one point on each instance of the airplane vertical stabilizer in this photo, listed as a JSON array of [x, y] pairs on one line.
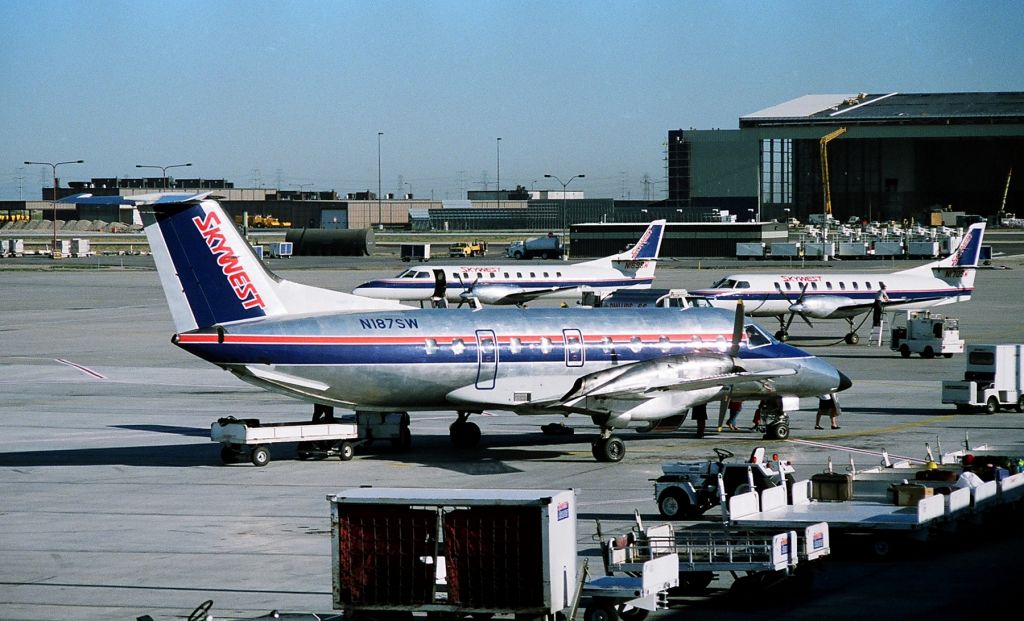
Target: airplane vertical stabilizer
[[210, 275], [640, 260], [965, 255]]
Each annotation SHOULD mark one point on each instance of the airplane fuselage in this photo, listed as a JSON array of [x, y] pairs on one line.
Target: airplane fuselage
[[509, 358], [550, 280], [839, 295]]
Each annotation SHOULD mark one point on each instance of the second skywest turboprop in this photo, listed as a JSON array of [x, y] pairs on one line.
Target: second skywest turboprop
[[332, 348], [847, 295], [522, 282]]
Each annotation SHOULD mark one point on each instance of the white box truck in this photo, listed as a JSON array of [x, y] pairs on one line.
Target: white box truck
[[994, 379]]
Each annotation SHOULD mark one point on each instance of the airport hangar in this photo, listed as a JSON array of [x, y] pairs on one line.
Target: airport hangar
[[901, 156]]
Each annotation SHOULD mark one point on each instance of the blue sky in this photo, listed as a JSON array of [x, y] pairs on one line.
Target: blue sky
[[293, 93]]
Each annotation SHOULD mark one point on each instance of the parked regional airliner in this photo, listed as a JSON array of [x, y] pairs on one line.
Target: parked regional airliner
[[827, 295], [521, 282], [616, 366]]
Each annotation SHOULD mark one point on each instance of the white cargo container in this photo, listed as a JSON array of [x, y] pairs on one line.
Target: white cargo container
[[853, 250], [81, 247], [994, 379], [453, 551], [923, 249], [750, 250], [280, 250], [818, 249], [888, 249], [785, 249]]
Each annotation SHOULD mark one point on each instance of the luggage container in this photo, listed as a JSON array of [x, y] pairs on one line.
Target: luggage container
[[888, 249], [785, 250], [853, 250], [819, 249], [750, 250], [453, 552], [280, 250], [414, 252]]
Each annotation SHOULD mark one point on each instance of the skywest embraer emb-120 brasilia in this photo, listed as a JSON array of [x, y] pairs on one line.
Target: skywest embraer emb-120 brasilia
[[848, 295], [328, 347], [522, 282]]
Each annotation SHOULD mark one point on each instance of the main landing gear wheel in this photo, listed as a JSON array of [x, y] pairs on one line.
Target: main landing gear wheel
[[777, 432], [852, 338], [464, 434], [782, 336], [610, 449]]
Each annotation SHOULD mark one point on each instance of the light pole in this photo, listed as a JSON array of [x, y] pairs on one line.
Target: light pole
[[410, 188], [54, 165], [163, 169], [379, 134], [564, 184], [301, 186], [499, 173]]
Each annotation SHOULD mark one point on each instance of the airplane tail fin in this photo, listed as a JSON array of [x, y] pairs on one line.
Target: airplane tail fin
[[640, 260], [966, 253], [209, 273]]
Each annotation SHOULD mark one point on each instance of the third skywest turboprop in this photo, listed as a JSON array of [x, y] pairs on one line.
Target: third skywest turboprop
[[524, 281], [619, 367], [847, 295]]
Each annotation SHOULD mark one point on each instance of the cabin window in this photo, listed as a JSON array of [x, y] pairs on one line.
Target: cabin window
[[430, 346], [545, 275], [721, 344], [506, 274], [789, 286], [519, 274], [458, 347], [515, 345], [855, 286], [814, 286], [842, 286], [867, 285], [545, 345], [636, 344], [664, 343], [559, 274], [606, 344], [533, 275], [828, 285]]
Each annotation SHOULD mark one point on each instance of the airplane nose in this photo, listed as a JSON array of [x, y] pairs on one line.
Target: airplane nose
[[844, 382]]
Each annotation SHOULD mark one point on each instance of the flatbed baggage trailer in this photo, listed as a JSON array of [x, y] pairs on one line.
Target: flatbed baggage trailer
[[332, 437], [453, 552]]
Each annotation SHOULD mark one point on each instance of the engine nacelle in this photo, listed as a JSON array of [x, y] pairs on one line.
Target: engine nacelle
[[648, 411], [657, 373], [492, 294], [819, 306]]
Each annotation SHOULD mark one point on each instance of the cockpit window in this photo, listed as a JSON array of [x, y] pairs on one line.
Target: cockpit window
[[408, 274], [424, 275], [756, 336], [742, 284]]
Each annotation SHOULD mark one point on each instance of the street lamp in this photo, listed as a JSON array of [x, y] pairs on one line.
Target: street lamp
[[301, 186], [410, 188], [499, 173], [564, 184], [54, 165], [379, 134], [163, 169]]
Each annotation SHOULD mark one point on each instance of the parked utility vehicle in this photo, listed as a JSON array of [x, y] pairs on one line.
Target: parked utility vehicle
[[927, 334], [687, 489], [994, 379]]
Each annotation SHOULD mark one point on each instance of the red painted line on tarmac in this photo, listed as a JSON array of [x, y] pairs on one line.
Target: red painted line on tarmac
[[85, 370]]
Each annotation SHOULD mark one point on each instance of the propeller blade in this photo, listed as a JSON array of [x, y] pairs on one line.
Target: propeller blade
[[737, 330]]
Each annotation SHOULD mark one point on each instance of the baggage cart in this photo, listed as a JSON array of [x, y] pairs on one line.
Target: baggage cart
[[332, 437], [417, 252]]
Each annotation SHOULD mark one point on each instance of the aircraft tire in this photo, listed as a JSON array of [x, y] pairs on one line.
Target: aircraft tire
[[781, 336], [464, 435], [778, 432], [609, 450], [852, 338]]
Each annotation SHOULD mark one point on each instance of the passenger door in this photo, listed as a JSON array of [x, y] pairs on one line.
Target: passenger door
[[487, 359]]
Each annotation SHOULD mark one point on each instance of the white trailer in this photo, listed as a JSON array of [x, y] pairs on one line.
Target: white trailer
[[330, 437], [926, 334], [994, 379], [750, 250]]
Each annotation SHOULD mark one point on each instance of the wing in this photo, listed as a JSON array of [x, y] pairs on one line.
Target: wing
[[511, 294]]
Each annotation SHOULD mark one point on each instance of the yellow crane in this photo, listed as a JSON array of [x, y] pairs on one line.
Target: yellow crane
[[823, 144]]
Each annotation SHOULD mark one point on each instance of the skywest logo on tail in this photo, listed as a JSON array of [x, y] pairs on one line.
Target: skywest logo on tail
[[522, 282], [241, 283]]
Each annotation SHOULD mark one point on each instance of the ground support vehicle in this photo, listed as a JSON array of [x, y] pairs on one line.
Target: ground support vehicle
[[450, 553], [467, 249], [762, 557], [549, 247], [686, 490], [920, 509], [418, 252], [773, 417], [329, 437], [994, 379], [926, 334]]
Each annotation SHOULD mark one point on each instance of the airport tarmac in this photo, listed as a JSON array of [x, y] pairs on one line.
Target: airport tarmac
[[114, 503]]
